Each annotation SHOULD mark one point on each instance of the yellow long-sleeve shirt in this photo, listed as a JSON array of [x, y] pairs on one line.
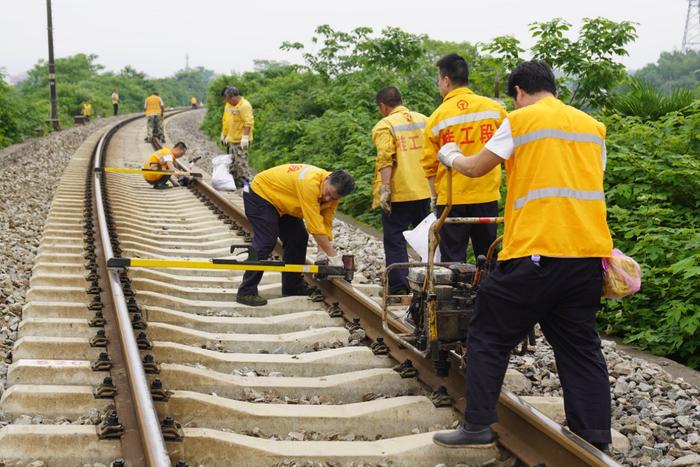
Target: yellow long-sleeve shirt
[[398, 138], [295, 190], [87, 110], [240, 116], [470, 121]]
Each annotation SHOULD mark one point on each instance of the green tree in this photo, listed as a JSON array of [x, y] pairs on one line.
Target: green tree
[[673, 70]]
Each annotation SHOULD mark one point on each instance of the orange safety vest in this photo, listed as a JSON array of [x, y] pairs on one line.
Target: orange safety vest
[[153, 105], [556, 203], [156, 158]]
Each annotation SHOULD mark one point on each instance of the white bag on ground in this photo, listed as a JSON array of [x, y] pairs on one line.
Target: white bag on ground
[[418, 238], [221, 179]]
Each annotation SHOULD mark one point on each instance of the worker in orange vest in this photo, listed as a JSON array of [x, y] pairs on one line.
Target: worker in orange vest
[[549, 270], [154, 117]]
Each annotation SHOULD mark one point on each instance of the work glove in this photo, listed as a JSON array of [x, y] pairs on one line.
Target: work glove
[[448, 153], [385, 198], [244, 142], [433, 204], [336, 260], [223, 139]]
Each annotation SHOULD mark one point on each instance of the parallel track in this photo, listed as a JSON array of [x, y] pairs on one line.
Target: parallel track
[[319, 394]]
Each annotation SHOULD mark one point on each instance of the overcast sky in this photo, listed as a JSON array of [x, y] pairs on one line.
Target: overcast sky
[[154, 35]]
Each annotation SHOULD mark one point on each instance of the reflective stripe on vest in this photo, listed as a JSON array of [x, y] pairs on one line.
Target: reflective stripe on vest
[[582, 195], [558, 134], [302, 174], [407, 127], [466, 118]]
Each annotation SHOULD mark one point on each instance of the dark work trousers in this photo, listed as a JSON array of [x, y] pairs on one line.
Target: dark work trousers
[[161, 182], [116, 108], [404, 215], [563, 295], [454, 238], [267, 226]]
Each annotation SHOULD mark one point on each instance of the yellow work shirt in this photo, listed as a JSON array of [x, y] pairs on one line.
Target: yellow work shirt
[[160, 158], [115, 98], [398, 138], [87, 110], [153, 105], [470, 121], [193, 100], [295, 190], [240, 117]]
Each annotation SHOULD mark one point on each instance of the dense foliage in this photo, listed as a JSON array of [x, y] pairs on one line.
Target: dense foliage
[[673, 70], [652, 187], [25, 109], [645, 101]]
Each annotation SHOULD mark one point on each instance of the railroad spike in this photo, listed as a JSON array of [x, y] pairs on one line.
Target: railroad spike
[[143, 342], [99, 340], [406, 369], [103, 363], [440, 397], [105, 390], [172, 430], [97, 321], [379, 347], [110, 428], [149, 364]]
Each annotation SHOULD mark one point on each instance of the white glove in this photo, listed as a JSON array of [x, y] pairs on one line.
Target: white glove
[[244, 142], [448, 153], [224, 139], [336, 260]]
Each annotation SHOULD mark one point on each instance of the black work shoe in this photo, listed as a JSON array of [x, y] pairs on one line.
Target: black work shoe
[[467, 436], [602, 447], [251, 300]]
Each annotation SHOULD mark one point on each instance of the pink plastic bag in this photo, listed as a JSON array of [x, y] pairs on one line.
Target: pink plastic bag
[[622, 275]]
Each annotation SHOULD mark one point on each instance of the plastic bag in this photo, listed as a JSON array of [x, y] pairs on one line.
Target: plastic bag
[[418, 238], [622, 275], [221, 179]]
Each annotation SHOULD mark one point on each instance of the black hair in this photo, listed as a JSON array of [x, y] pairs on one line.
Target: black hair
[[454, 67], [180, 144], [389, 96], [532, 77], [342, 181], [231, 91]]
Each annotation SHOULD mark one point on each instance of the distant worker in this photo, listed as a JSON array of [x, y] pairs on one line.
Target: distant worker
[[193, 101], [469, 121], [87, 110], [164, 159], [278, 203], [115, 101], [549, 269], [154, 116], [400, 188], [238, 133]]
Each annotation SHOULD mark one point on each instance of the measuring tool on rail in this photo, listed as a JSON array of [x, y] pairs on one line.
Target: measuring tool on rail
[[252, 263], [145, 171]]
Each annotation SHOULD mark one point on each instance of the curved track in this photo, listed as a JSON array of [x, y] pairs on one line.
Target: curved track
[[233, 385]]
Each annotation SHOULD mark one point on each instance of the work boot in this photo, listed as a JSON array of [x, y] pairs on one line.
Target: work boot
[[467, 436], [251, 300]]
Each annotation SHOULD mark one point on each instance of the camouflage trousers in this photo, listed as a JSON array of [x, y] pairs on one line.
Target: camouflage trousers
[[154, 128], [239, 168]]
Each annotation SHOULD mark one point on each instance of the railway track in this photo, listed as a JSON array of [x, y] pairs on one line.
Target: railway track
[[161, 366]]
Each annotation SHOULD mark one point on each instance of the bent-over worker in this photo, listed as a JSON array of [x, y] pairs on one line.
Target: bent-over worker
[[278, 203], [549, 270]]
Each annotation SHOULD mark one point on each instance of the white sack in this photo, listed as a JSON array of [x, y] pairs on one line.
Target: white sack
[[418, 238], [221, 179]]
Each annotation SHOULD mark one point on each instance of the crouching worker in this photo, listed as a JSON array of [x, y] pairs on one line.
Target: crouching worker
[[277, 203], [164, 159]]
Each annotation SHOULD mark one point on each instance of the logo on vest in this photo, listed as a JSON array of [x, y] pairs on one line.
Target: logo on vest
[[462, 104]]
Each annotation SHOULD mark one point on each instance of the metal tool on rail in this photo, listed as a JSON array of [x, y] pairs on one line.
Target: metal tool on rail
[[321, 270], [443, 295], [145, 171]]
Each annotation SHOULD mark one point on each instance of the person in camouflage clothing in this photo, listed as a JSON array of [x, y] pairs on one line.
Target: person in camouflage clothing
[[237, 133]]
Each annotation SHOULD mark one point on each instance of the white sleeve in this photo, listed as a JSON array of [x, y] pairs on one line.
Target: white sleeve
[[501, 143], [161, 102], [145, 104]]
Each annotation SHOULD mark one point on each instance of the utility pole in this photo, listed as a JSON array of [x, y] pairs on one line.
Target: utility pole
[[52, 70], [691, 34], [187, 61]]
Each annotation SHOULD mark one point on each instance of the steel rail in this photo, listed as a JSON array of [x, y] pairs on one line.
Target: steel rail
[[153, 444], [527, 433]]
